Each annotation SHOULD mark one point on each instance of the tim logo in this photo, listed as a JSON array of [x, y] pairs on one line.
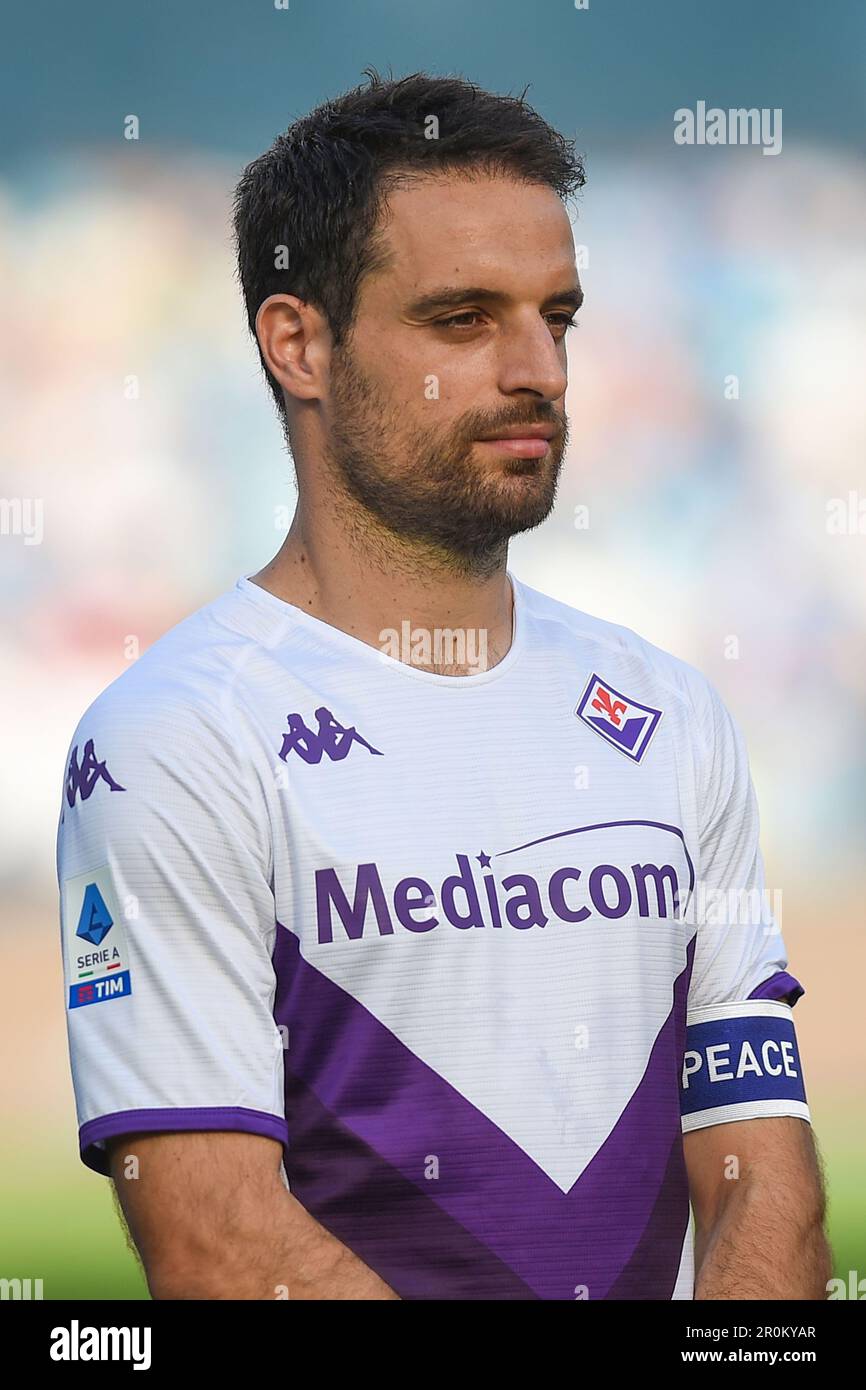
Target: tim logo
[[100, 991], [625, 723], [329, 737]]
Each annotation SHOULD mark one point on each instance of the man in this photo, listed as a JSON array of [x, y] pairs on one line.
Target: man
[[399, 1006]]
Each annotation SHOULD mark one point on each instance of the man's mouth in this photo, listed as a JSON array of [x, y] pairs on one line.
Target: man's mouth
[[528, 446], [521, 441]]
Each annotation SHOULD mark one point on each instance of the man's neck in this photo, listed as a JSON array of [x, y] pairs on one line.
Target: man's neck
[[429, 615]]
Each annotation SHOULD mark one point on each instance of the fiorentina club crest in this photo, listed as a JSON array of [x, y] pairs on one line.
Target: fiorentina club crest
[[625, 723]]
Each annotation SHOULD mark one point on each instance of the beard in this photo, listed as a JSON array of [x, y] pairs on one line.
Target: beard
[[431, 488]]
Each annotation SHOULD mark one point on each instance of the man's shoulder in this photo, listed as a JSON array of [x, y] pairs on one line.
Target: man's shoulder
[[618, 652], [186, 680], [162, 757]]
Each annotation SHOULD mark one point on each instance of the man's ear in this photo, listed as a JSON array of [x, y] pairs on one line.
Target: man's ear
[[295, 341]]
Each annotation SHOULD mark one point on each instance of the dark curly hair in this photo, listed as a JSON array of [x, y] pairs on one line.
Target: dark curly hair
[[319, 190]]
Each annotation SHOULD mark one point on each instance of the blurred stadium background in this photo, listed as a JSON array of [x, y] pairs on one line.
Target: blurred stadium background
[[135, 418]]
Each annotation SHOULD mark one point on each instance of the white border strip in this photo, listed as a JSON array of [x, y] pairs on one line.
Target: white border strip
[[746, 1008], [746, 1110]]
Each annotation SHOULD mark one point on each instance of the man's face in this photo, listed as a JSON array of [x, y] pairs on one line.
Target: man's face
[[423, 378]]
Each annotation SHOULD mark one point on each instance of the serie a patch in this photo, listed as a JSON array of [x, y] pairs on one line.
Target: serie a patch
[[94, 940], [741, 1061]]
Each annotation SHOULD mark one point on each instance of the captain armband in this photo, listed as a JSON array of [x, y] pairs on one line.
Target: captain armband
[[741, 1062]]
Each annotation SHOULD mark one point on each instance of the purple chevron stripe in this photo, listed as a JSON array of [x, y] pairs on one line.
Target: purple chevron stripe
[[779, 986], [646, 1228], [357, 1162], [662, 1240], [389, 1221]]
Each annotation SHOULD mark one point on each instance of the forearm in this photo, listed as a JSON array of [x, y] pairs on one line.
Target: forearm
[[212, 1218], [759, 1247], [284, 1253]]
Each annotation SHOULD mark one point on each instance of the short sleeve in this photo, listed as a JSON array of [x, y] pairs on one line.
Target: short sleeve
[[739, 949], [741, 1059], [167, 924]]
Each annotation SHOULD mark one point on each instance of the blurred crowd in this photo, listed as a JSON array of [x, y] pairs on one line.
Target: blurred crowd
[[716, 409]]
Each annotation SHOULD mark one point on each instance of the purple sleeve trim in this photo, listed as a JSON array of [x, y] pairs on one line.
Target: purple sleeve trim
[[92, 1134], [779, 986]]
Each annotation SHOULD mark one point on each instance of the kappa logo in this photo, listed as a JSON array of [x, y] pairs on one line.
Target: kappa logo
[[624, 722], [82, 777], [328, 737]]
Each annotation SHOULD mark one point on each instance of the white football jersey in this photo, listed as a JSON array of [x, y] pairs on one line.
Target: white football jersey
[[475, 950]]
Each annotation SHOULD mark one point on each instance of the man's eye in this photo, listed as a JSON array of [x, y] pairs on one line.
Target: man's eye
[[454, 320], [561, 319], [565, 321]]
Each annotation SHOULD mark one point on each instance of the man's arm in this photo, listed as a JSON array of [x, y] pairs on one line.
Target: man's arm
[[212, 1219], [758, 1198]]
